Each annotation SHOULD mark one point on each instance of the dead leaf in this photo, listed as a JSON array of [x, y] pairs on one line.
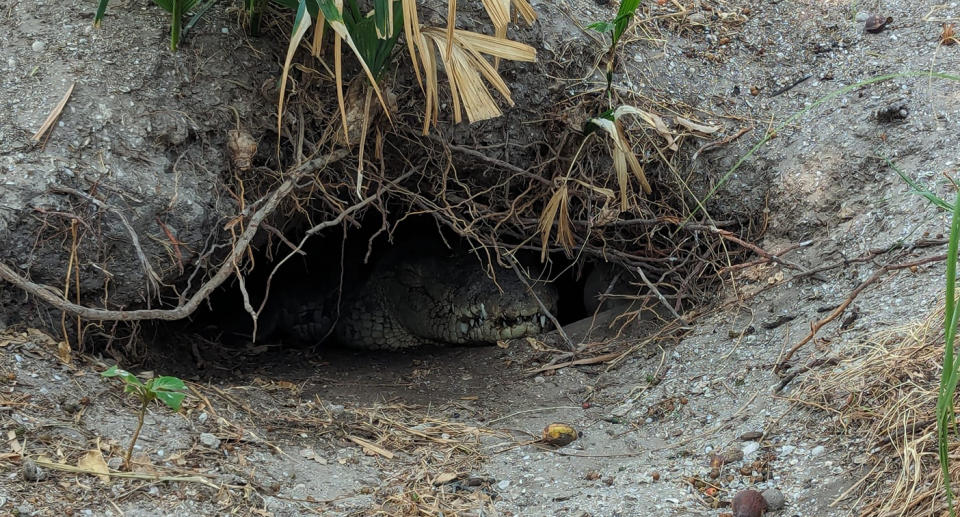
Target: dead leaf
[[371, 448], [444, 478], [15, 445], [93, 462], [699, 128], [63, 352]]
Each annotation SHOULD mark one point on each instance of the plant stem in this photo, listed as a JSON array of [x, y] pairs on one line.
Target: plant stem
[[136, 434]]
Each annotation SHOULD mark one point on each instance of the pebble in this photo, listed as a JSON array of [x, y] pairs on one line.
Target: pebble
[[539, 379], [31, 472], [504, 484], [210, 440], [750, 448], [202, 417], [775, 499], [39, 45], [818, 450]]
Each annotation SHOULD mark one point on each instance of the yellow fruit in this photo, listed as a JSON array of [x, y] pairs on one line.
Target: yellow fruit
[[559, 434]]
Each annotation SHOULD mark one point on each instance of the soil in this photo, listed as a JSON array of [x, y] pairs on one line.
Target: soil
[[284, 431]]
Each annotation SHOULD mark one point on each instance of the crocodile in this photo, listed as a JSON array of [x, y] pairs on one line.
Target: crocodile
[[409, 301]]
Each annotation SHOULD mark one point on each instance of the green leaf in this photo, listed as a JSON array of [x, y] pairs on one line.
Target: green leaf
[[165, 383], [171, 398], [127, 377], [601, 26], [624, 14], [382, 21], [919, 189], [101, 9]]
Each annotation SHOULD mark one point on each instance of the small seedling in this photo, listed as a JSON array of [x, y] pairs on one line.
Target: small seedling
[[616, 27], [168, 390]]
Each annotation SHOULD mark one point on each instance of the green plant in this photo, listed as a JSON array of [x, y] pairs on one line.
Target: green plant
[[176, 8], [168, 390], [946, 414], [615, 27]]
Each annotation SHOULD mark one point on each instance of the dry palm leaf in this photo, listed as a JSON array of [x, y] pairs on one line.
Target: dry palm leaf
[[556, 210], [464, 64], [622, 153]]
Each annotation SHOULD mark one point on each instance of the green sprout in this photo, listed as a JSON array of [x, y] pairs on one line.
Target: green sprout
[[616, 27], [168, 390]]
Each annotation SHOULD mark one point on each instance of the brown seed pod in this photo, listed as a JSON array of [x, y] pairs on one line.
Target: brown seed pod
[[559, 434], [748, 503], [242, 147], [875, 23]]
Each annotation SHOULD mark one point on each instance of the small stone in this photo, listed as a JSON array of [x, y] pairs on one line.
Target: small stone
[[39, 45], [539, 379], [210, 440], [750, 448], [818, 450], [774, 498], [202, 417], [503, 484], [748, 503], [787, 450], [31, 472]]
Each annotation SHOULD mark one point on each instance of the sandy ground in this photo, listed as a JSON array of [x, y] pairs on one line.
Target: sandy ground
[[270, 431]]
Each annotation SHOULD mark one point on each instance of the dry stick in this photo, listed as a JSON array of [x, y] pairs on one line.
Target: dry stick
[[152, 276], [52, 297], [764, 260], [756, 249], [198, 478], [660, 297], [54, 115], [816, 326]]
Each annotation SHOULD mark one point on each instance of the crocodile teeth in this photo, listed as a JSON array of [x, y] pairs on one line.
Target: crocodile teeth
[[464, 328], [543, 321], [483, 311]]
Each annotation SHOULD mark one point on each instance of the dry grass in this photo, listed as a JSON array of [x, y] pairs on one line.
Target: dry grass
[[885, 392]]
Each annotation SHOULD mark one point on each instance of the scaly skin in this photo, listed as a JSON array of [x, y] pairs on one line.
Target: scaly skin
[[437, 300]]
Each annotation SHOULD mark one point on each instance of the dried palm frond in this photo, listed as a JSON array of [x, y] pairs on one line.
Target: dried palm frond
[[557, 210], [463, 60]]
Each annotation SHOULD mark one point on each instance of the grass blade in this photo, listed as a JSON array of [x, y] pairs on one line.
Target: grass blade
[[101, 9]]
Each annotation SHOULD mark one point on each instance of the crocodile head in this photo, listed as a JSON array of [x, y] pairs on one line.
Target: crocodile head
[[484, 311]]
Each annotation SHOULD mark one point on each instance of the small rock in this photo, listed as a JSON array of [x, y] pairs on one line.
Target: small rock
[[539, 379], [39, 45], [31, 472], [210, 440], [336, 410], [787, 450], [774, 498], [748, 503], [750, 448], [818, 450], [503, 484], [202, 417]]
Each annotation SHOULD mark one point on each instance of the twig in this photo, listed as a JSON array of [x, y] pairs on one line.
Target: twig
[[663, 300], [816, 326], [133, 475], [757, 249], [713, 145], [54, 115], [52, 297]]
